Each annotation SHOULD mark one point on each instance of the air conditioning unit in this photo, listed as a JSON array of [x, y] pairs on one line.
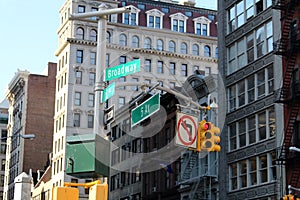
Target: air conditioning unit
[[154, 189]]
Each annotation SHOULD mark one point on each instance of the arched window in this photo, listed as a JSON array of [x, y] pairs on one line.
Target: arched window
[[207, 52], [183, 48], [80, 33], [160, 45], [93, 35], [135, 41], [147, 43], [108, 37], [123, 40], [195, 50], [217, 52], [172, 47]]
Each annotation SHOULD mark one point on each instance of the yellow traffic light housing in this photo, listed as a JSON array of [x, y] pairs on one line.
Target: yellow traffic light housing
[[208, 137]]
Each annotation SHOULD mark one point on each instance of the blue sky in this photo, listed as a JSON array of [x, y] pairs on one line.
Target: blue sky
[[28, 37]]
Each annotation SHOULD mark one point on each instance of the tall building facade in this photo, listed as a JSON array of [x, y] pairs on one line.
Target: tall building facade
[[288, 46], [254, 122], [3, 131], [31, 111], [171, 40]]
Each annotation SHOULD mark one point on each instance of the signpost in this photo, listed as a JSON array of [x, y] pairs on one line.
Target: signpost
[[122, 70], [108, 92], [146, 109]]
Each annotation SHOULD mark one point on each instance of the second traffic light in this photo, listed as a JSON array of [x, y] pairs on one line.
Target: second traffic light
[[208, 137]]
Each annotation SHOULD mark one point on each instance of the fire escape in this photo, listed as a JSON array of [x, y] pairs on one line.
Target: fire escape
[[288, 47], [199, 175]]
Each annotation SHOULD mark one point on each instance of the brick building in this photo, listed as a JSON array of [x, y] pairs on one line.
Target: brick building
[[31, 110]]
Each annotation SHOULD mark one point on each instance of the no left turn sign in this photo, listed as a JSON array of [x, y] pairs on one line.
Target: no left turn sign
[[186, 130]]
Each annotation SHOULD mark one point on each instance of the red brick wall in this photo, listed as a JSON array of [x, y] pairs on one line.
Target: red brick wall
[[39, 119]]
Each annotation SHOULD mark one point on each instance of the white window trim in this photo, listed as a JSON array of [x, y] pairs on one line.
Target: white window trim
[[133, 10], [202, 20], [178, 16], [155, 13]]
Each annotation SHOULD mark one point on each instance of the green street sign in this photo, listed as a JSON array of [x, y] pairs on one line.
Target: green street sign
[[146, 109], [122, 70], [108, 92]]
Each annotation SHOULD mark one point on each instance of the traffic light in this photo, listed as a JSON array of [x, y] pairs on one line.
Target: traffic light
[[289, 197], [208, 137]]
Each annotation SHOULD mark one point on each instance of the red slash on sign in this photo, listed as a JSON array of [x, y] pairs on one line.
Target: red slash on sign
[[186, 129]]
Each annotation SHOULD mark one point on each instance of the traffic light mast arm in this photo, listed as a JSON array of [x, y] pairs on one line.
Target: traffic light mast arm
[[177, 94]]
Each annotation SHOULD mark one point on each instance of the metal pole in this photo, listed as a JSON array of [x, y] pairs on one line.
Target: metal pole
[[100, 68]]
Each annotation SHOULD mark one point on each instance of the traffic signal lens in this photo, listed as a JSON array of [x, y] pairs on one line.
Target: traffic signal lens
[[206, 126]]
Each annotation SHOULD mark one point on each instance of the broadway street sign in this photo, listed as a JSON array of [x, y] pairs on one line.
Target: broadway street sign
[[122, 70]]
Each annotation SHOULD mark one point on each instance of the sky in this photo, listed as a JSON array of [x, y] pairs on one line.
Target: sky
[[28, 37]]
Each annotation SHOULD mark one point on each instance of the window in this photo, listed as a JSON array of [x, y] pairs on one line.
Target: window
[[81, 9], [241, 55], [123, 40], [243, 173], [160, 45], [217, 53], [121, 101], [141, 6], [249, 48], [207, 52], [77, 99], [172, 47], [132, 17], [76, 120], [207, 71], [79, 56], [183, 48], [154, 18], [242, 133], [90, 121], [92, 77], [232, 135], [172, 68], [160, 68], [253, 171], [147, 43], [261, 83], [94, 9], [135, 87], [91, 100], [122, 59], [233, 176], [78, 75], [93, 58], [178, 22], [3, 161], [201, 26], [252, 129], [165, 10], [241, 93], [262, 126], [195, 50], [135, 41], [93, 35], [108, 37], [184, 71], [80, 33], [244, 10], [147, 65], [122, 80], [232, 97], [263, 168]]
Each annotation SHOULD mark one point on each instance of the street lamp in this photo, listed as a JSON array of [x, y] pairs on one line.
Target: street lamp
[[24, 136], [101, 59], [294, 149]]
